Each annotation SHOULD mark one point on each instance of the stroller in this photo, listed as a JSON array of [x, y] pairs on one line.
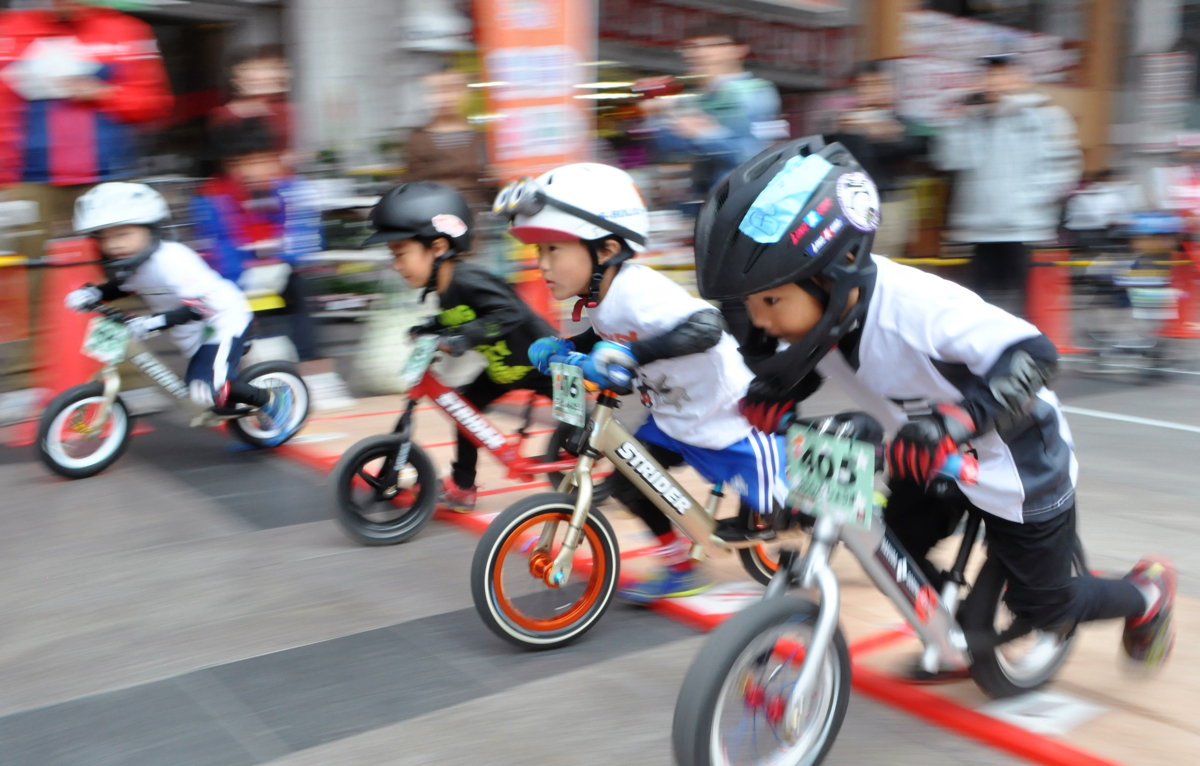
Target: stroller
[[1124, 295]]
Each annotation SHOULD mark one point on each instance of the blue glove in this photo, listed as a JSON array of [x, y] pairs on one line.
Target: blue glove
[[542, 349], [610, 363]]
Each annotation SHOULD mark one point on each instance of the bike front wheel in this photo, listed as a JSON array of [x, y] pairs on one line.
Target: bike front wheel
[[72, 442], [375, 506], [735, 703], [509, 574]]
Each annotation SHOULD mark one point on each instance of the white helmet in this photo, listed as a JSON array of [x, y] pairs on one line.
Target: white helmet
[[119, 204], [586, 200]]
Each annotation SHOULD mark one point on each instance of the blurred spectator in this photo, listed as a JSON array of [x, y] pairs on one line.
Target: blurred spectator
[[735, 116], [75, 80], [259, 84], [1016, 157], [1095, 210], [886, 146], [447, 149], [255, 219]]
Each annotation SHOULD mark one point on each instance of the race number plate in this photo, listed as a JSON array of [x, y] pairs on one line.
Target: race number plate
[[570, 403], [831, 476], [418, 360], [106, 340]]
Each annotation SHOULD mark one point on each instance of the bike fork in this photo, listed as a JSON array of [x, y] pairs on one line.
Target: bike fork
[[112, 387], [815, 572], [560, 571]]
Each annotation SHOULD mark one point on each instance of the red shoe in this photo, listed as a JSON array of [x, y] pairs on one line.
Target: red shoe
[[456, 498], [1148, 639]]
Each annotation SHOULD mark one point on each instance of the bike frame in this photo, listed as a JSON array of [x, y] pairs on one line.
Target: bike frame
[[472, 422], [610, 439]]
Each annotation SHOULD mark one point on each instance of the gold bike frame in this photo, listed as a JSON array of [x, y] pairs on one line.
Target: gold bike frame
[[610, 439]]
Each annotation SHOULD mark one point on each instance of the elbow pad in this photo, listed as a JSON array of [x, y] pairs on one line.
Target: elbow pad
[[699, 332]]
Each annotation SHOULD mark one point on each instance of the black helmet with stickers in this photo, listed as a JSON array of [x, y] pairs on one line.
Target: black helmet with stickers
[[801, 212], [422, 210]]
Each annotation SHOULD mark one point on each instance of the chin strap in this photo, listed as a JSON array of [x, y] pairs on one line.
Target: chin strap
[[592, 298], [124, 268], [431, 285]]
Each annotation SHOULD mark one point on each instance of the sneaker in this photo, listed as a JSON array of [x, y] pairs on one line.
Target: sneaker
[[456, 498], [668, 583], [276, 413], [1148, 639], [915, 674]]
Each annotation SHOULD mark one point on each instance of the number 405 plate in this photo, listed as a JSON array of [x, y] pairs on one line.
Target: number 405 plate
[[831, 476]]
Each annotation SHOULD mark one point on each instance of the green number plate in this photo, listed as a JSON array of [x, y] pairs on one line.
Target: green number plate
[[570, 402], [106, 340], [418, 360], [831, 476]]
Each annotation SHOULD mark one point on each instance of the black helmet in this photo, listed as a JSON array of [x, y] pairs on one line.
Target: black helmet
[[796, 211], [422, 210]]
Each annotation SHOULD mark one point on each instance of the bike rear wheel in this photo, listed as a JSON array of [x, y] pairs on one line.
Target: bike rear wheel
[[377, 509], [1027, 659], [70, 443], [272, 375], [733, 705], [508, 582]]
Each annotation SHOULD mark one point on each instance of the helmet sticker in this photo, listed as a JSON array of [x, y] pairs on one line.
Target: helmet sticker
[[778, 204], [449, 224], [859, 200], [818, 244]]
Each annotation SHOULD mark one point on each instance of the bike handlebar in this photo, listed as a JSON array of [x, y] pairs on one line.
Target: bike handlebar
[[110, 312]]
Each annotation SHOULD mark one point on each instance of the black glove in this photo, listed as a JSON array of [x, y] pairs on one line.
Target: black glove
[[923, 443], [428, 327], [454, 345], [766, 408]]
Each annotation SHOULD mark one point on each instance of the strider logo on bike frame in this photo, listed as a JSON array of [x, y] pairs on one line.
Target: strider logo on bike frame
[[146, 362], [921, 594], [458, 409], [654, 477]]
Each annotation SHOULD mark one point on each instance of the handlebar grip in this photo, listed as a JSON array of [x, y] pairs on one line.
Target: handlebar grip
[[620, 376]]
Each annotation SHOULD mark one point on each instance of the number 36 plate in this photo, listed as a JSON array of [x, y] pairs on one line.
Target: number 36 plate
[[831, 476]]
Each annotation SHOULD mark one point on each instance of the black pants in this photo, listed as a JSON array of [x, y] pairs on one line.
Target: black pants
[[998, 272], [480, 393], [1035, 556]]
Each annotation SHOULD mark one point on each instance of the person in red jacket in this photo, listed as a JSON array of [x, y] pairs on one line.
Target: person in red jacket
[[75, 81]]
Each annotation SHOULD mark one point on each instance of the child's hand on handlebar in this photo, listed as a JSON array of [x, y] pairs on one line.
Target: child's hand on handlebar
[[607, 357], [144, 327], [542, 349], [83, 298], [428, 327], [923, 444], [454, 345], [765, 409]]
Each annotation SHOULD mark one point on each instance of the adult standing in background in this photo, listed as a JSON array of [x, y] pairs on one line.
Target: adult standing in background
[[259, 84], [886, 146], [1016, 156], [447, 149], [75, 82], [734, 116]]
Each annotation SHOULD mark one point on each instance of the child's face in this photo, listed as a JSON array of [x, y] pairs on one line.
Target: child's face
[[256, 171], [566, 267], [123, 241], [413, 261], [786, 312]]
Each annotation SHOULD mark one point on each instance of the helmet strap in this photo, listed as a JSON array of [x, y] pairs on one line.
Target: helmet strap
[[592, 298], [431, 285], [123, 268]]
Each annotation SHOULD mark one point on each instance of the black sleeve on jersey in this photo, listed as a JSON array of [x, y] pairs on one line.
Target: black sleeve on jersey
[[498, 310], [699, 332], [111, 291], [1022, 370], [585, 340], [181, 315]]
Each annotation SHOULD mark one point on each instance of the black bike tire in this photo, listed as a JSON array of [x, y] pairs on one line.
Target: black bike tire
[[58, 404], [691, 730], [403, 529], [977, 616], [494, 540]]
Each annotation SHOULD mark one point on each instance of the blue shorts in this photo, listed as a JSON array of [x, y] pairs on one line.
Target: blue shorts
[[216, 363], [753, 467]]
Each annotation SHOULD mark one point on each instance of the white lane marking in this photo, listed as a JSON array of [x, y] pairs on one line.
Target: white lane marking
[[1130, 419]]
